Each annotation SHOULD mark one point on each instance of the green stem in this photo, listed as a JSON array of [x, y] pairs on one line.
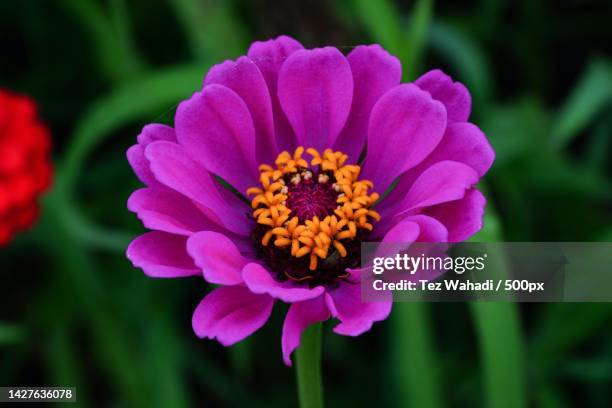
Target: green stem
[[240, 359], [420, 20], [499, 335], [498, 328], [415, 365], [308, 369]]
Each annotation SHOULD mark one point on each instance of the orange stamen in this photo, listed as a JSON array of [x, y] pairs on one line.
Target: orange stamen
[[315, 237]]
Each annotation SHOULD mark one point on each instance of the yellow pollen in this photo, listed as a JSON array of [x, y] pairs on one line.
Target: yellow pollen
[[316, 237]]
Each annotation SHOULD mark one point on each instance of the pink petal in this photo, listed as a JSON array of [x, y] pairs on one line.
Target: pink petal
[[464, 143], [269, 56], [463, 217], [244, 78], [405, 229], [218, 256], [140, 165], [163, 209], [216, 127], [259, 280], [402, 232], [315, 89], [230, 314], [444, 181], [395, 230], [299, 317], [356, 317], [155, 132], [161, 255], [173, 167], [375, 71], [135, 154], [454, 95], [405, 126], [430, 229]]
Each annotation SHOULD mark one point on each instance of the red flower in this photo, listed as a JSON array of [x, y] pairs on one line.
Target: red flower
[[25, 168]]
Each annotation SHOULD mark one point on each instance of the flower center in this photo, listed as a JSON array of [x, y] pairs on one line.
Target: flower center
[[312, 217], [308, 198]]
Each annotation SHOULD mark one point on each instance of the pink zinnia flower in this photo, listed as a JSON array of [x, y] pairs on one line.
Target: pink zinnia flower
[[286, 127]]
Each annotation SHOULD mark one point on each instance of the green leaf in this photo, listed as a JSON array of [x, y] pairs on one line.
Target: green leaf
[[499, 335], [549, 396], [10, 333], [64, 362], [117, 58], [596, 155], [413, 352], [464, 55], [559, 176], [163, 357], [606, 236], [386, 26], [383, 24], [241, 360], [562, 327], [420, 20], [75, 266], [590, 370], [516, 129], [124, 39], [592, 94], [205, 22], [501, 350]]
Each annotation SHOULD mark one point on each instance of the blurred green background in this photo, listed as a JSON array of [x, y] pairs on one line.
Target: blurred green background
[[74, 312]]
